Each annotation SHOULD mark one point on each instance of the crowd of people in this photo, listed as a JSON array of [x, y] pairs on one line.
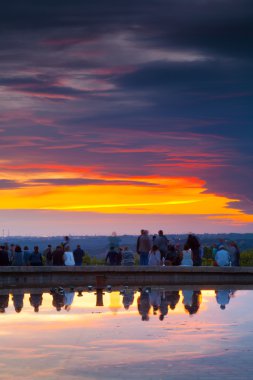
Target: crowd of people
[[61, 255], [150, 250], [158, 250]]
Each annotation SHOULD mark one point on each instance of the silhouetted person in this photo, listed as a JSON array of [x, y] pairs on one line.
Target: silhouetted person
[[78, 255], [161, 242], [48, 255], [193, 243], [36, 301], [172, 256], [4, 257], [11, 252], [118, 256], [58, 256], [7, 248], [143, 247], [111, 256], [234, 254], [17, 259], [36, 257], [26, 255]]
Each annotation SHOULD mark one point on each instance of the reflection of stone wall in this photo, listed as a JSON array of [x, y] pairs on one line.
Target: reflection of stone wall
[[99, 277]]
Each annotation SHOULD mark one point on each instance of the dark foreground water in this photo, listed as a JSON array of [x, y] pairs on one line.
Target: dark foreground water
[[153, 334]]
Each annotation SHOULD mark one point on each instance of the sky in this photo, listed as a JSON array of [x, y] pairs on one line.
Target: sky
[[122, 115]]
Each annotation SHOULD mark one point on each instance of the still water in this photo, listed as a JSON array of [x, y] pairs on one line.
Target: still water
[[149, 334]]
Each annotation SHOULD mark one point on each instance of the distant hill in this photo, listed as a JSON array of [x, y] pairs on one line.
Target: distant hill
[[98, 245]]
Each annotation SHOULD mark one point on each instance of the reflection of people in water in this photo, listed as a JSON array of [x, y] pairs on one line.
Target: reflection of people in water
[[68, 299], [128, 298], [223, 297], [155, 299], [195, 303], [36, 301], [4, 302], [58, 298], [143, 304], [187, 297], [164, 306], [18, 302], [172, 298]]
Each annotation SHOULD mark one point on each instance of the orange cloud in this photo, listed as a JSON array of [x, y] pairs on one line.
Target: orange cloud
[[35, 186], [116, 195]]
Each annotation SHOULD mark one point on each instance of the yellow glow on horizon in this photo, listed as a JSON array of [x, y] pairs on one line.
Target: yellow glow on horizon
[[121, 195], [89, 207]]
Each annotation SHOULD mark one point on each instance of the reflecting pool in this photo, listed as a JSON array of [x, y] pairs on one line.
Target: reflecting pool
[[149, 333]]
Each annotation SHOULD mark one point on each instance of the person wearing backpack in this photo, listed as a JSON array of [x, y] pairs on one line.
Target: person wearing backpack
[[36, 257]]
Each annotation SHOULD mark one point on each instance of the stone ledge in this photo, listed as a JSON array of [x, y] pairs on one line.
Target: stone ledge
[[123, 269], [100, 276]]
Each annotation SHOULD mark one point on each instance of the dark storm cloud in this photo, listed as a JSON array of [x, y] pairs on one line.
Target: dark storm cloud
[[200, 89], [224, 27], [201, 76], [8, 184], [86, 182]]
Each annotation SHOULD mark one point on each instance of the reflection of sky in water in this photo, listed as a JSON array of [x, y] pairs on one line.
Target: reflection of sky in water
[[109, 342]]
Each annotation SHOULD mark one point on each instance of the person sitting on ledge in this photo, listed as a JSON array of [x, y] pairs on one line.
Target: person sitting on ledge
[[36, 257], [26, 255], [4, 257], [222, 257], [58, 256], [154, 257], [127, 257], [194, 245], [186, 256], [17, 257], [68, 256]]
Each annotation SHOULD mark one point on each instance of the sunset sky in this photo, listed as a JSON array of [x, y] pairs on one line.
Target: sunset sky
[[122, 115]]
